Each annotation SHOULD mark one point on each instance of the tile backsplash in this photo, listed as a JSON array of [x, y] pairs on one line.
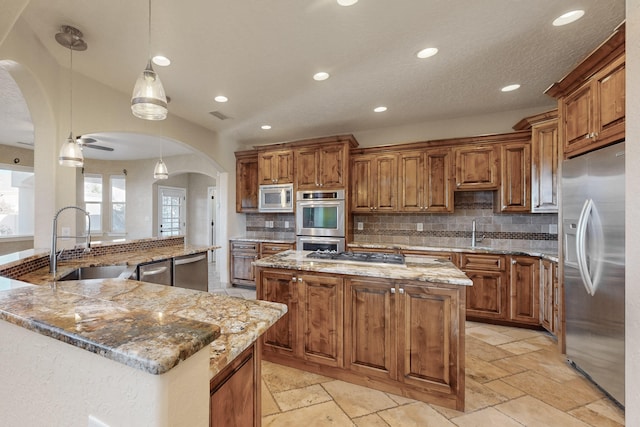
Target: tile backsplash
[[499, 230]]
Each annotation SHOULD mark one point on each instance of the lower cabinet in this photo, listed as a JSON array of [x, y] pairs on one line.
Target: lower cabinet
[[524, 290], [401, 337], [549, 296], [242, 255], [235, 398]]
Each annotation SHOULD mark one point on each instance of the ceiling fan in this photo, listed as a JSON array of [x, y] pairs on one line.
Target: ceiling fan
[[86, 141]]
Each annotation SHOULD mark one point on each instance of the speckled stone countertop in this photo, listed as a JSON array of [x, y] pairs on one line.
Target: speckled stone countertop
[[255, 239], [551, 256], [420, 269], [146, 326], [42, 276]]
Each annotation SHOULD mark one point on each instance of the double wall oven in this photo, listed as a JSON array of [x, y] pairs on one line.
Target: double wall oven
[[320, 218]]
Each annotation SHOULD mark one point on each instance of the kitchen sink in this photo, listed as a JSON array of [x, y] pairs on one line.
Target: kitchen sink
[[100, 272]]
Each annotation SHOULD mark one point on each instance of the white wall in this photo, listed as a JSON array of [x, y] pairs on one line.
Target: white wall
[[198, 209]]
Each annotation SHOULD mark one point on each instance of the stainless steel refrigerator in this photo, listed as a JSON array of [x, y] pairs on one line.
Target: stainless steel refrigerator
[[594, 263]]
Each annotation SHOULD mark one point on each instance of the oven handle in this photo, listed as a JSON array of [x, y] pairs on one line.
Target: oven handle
[[318, 203]]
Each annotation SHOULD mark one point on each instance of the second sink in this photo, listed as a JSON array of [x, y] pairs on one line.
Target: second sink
[[98, 272]]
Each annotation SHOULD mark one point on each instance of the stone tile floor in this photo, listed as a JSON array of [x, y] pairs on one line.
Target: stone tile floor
[[514, 377]]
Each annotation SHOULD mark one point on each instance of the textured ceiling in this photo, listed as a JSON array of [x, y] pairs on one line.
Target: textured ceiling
[[262, 55]]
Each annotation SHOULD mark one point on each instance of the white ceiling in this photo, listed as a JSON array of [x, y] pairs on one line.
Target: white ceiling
[[262, 55]]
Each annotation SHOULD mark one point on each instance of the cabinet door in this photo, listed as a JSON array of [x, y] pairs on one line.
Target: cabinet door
[[476, 168], [247, 184], [370, 322], [242, 272], [275, 167], [525, 290], [280, 286], [362, 198], [488, 297], [235, 393], [412, 181], [577, 113], [611, 90], [546, 296], [544, 167], [515, 183], [321, 319], [429, 334], [306, 169], [438, 187], [385, 182], [331, 166]]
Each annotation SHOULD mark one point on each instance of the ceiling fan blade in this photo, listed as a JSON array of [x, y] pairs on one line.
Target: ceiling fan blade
[[98, 147], [86, 140]]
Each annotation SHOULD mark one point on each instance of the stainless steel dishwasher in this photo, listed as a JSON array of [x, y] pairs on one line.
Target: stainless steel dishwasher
[[155, 272], [191, 272]]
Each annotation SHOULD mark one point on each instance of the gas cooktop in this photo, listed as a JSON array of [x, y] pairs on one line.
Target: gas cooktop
[[359, 257]]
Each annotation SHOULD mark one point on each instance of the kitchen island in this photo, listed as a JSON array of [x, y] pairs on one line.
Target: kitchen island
[[396, 328], [127, 353]]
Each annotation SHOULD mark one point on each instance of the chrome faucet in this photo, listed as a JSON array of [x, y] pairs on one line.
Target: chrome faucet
[[475, 239], [53, 256]]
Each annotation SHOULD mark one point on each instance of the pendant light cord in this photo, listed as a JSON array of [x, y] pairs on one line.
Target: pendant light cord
[[70, 91], [149, 35]]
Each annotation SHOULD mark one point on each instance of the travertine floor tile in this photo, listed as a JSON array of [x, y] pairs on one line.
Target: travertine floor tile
[[281, 378], [400, 400], [301, 397], [521, 333], [548, 363], [531, 412], [482, 371], [326, 414], [504, 389], [356, 400], [489, 336], [478, 396], [372, 420], [602, 412], [487, 417], [417, 414], [269, 405], [519, 347], [483, 351]]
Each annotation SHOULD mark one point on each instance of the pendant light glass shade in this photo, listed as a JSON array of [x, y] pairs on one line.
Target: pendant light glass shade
[[149, 101], [160, 171], [71, 154]]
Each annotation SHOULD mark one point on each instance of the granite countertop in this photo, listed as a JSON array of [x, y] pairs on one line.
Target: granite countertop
[[551, 256], [42, 276], [422, 269], [146, 326], [258, 240]]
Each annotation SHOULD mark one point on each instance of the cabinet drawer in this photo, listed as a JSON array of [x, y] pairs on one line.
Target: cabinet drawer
[[450, 256], [274, 248], [482, 262], [245, 246]]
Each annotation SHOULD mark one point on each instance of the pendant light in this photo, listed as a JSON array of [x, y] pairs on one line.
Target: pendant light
[[160, 171], [149, 101], [71, 152]]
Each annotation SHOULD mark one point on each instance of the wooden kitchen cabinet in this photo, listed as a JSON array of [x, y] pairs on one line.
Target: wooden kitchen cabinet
[[514, 194], [247, 181], [477, 167], [235, 393], [312, 328], [488, 298], [374, 183], [591, 99], [426, 181], [544, 167], [321, 166], [524, 290], [242, 255], [272, 248], [275, 166], [549, 302]]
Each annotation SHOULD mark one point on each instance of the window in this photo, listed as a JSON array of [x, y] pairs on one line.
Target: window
[[118, 205], [171, 211], [93, 200], [16, 202]]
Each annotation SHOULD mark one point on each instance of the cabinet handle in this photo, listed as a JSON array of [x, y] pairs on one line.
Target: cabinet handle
[[457, 184], [392, 290], [293, 279], [401, 290], [299, 279], [513, 262]]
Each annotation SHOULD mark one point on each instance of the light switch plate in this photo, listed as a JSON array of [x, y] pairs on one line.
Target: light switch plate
[[553, 228], [419, 226], [360, 226], [286, 224]]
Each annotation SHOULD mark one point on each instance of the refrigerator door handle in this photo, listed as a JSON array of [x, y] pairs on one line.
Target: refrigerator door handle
[[581, 246]]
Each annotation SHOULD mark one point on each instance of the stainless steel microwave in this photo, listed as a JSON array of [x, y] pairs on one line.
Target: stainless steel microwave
[[276, 198]]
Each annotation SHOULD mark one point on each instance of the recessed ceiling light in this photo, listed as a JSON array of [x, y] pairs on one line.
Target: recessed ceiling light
[[347, 2], [425, 53], [321, 76], [265, 127], [568, 18], [509, 88], [380, 109], [160, 60], [221, 98]]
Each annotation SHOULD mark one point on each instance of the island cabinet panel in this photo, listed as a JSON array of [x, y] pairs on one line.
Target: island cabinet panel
[[525, 290], [370, 327], [235, 393], [321, 318], [476, 167], [281, 286], [275, 167], [374, 180]]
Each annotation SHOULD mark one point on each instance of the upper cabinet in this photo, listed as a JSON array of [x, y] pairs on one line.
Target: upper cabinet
[[374, 183], [275, 166], [322, 166], [591, 99], [514, 194], [247, 181], [426, 180], [476, 167]]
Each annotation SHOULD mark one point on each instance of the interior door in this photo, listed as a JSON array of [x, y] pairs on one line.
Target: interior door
[[172, 211]]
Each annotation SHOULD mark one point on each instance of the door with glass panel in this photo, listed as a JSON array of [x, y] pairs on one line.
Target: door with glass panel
[[171, 211]]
